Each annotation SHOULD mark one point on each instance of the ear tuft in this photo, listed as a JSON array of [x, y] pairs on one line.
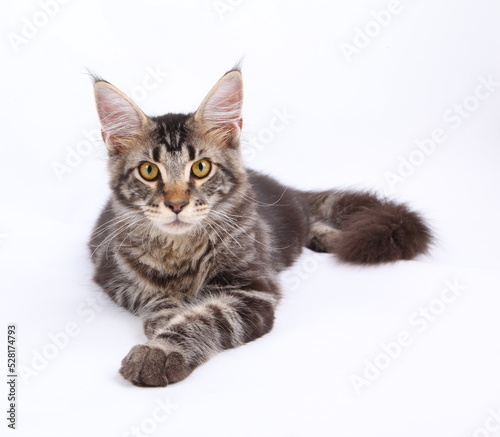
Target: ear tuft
[[121, 119], [220, 112]]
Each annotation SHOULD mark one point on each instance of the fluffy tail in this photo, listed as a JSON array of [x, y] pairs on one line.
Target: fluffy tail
[[361, 228]]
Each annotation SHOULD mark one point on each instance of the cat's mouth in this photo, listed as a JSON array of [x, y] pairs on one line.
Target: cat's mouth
[[176, 226]]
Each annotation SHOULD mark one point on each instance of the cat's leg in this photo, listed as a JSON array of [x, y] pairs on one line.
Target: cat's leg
[[182, 339], [159, 316], [322, 237]]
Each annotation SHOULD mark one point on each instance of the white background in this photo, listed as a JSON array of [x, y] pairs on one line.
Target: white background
[[355, 119]]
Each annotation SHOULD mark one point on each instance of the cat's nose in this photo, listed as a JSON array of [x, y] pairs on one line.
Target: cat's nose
[[176, 207]]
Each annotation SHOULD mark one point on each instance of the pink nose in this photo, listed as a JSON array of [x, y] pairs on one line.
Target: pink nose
[[176, 207]]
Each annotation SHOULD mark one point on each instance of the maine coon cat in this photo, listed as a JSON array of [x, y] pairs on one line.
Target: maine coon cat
[[192, 242]]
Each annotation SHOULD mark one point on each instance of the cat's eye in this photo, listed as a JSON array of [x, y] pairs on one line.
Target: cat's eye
[[201, 168], [149, 171]]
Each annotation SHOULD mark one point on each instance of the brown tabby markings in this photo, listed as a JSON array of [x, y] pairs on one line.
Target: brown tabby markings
[[198, 258]]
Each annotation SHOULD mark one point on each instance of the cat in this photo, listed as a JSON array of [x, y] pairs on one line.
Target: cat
[[192, 242]]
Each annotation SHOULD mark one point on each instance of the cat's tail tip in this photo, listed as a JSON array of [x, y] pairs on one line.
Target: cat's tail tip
[[383, 233]]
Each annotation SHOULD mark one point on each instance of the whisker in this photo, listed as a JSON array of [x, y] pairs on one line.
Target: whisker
[[143, 219], [258, 202], [219, 226], [110, 224], [107, 241], [221, 239], [231, 222]]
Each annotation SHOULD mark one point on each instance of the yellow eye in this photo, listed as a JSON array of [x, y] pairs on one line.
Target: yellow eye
[[149, 171], [201, 168]]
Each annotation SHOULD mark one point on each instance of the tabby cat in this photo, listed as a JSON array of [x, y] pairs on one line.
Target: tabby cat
[[192, 242]]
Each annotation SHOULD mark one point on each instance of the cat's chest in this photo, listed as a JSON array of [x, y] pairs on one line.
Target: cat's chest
[[175, 260], [176, 269]]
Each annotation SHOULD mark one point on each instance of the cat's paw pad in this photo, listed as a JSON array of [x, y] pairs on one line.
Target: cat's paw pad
[[145, 366]]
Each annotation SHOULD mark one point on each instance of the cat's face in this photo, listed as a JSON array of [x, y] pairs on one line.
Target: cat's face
[[175, 171]]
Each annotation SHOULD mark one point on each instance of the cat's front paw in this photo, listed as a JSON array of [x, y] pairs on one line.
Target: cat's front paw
[[147, 366]]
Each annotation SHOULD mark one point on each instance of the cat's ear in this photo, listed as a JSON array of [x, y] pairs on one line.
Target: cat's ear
[[219, 115], [122, 121]]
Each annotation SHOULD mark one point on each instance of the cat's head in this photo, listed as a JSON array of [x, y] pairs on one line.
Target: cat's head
[[177, 169]]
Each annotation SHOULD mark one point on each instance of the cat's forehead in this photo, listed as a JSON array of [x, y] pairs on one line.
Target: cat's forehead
[[172, 131], [174, 139], [171, 139]]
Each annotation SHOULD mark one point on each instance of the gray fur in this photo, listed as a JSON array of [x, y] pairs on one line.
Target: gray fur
[[210, 284]]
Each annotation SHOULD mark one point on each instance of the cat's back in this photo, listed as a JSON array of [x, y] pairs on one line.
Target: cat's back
[[284, 212]]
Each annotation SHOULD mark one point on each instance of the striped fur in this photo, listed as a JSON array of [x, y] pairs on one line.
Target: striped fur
[[205, 279]]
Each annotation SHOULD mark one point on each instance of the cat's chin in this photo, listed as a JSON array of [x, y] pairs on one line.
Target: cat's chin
[[176, 227]]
